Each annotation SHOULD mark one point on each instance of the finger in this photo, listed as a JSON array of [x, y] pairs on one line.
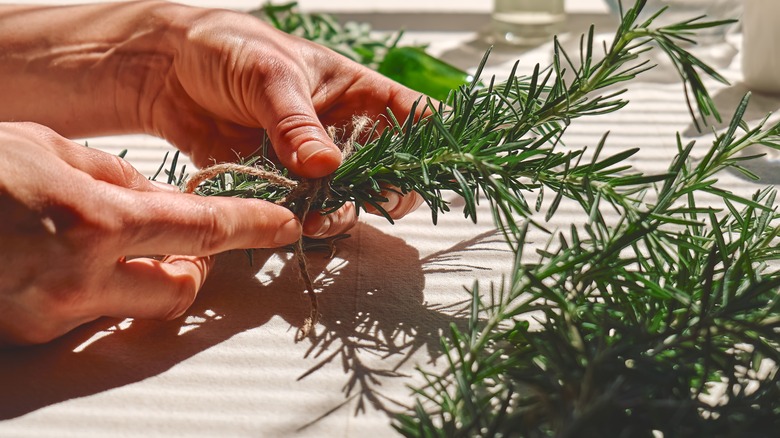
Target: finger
[[97, 164], [165, 187], [404, 204], [299, 139], [320, 226], [178, 223], [401, 100], [103, 166], [152, 289], [203, 138], [397, 205]]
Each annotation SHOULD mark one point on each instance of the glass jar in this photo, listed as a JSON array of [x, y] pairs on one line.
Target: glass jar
[[526, 22]]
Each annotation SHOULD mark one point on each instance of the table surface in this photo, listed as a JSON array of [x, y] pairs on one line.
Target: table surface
[[230, 367]]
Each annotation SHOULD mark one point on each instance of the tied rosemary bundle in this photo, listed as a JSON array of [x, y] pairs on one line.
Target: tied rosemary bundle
[[499, 140], [299, 197]]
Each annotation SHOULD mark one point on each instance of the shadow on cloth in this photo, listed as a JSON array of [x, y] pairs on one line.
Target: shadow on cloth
[[371, 301]]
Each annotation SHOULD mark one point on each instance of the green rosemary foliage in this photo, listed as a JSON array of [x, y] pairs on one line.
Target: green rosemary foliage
[[638, 321], [501, 140]]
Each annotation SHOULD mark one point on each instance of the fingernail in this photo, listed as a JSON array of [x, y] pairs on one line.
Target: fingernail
[[392, 201], [288, 233], [166, 187], [311, 149], [323, 227]]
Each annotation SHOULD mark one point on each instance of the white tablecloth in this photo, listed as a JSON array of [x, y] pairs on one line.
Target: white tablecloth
[[230, 367]]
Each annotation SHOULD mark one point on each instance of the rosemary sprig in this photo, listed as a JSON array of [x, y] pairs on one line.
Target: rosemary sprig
[[641, 322], [501, 141]]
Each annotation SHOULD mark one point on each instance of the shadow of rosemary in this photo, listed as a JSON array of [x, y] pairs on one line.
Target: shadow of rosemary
[[372, 305], [378, 318]]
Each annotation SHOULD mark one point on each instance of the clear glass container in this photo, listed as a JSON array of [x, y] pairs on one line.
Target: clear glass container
[[526, 22]]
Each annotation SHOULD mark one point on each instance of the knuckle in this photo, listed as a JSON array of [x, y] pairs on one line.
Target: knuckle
[[210, 20], [44, 134], [126, 174], [30, 127], [185, 288], [211, 230], [297, 128], [186, 291], [347, 218], [403, 208]]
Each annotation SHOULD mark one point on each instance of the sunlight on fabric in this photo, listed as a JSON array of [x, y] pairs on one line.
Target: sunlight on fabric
[[193, 322], [103, 333]]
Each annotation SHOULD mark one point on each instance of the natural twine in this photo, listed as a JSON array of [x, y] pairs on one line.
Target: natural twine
[[302, 192]]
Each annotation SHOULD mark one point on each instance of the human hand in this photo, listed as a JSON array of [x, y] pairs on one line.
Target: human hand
[[76, 225], [234, 74]]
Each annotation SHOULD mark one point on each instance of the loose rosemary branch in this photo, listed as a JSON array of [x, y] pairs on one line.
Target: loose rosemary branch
[[640, 321]]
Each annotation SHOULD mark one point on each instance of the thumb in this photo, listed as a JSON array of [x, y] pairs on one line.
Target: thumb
[[299, 139]]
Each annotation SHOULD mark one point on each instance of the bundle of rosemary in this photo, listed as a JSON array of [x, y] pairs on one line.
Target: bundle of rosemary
[[499, 140], [636, 321]]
